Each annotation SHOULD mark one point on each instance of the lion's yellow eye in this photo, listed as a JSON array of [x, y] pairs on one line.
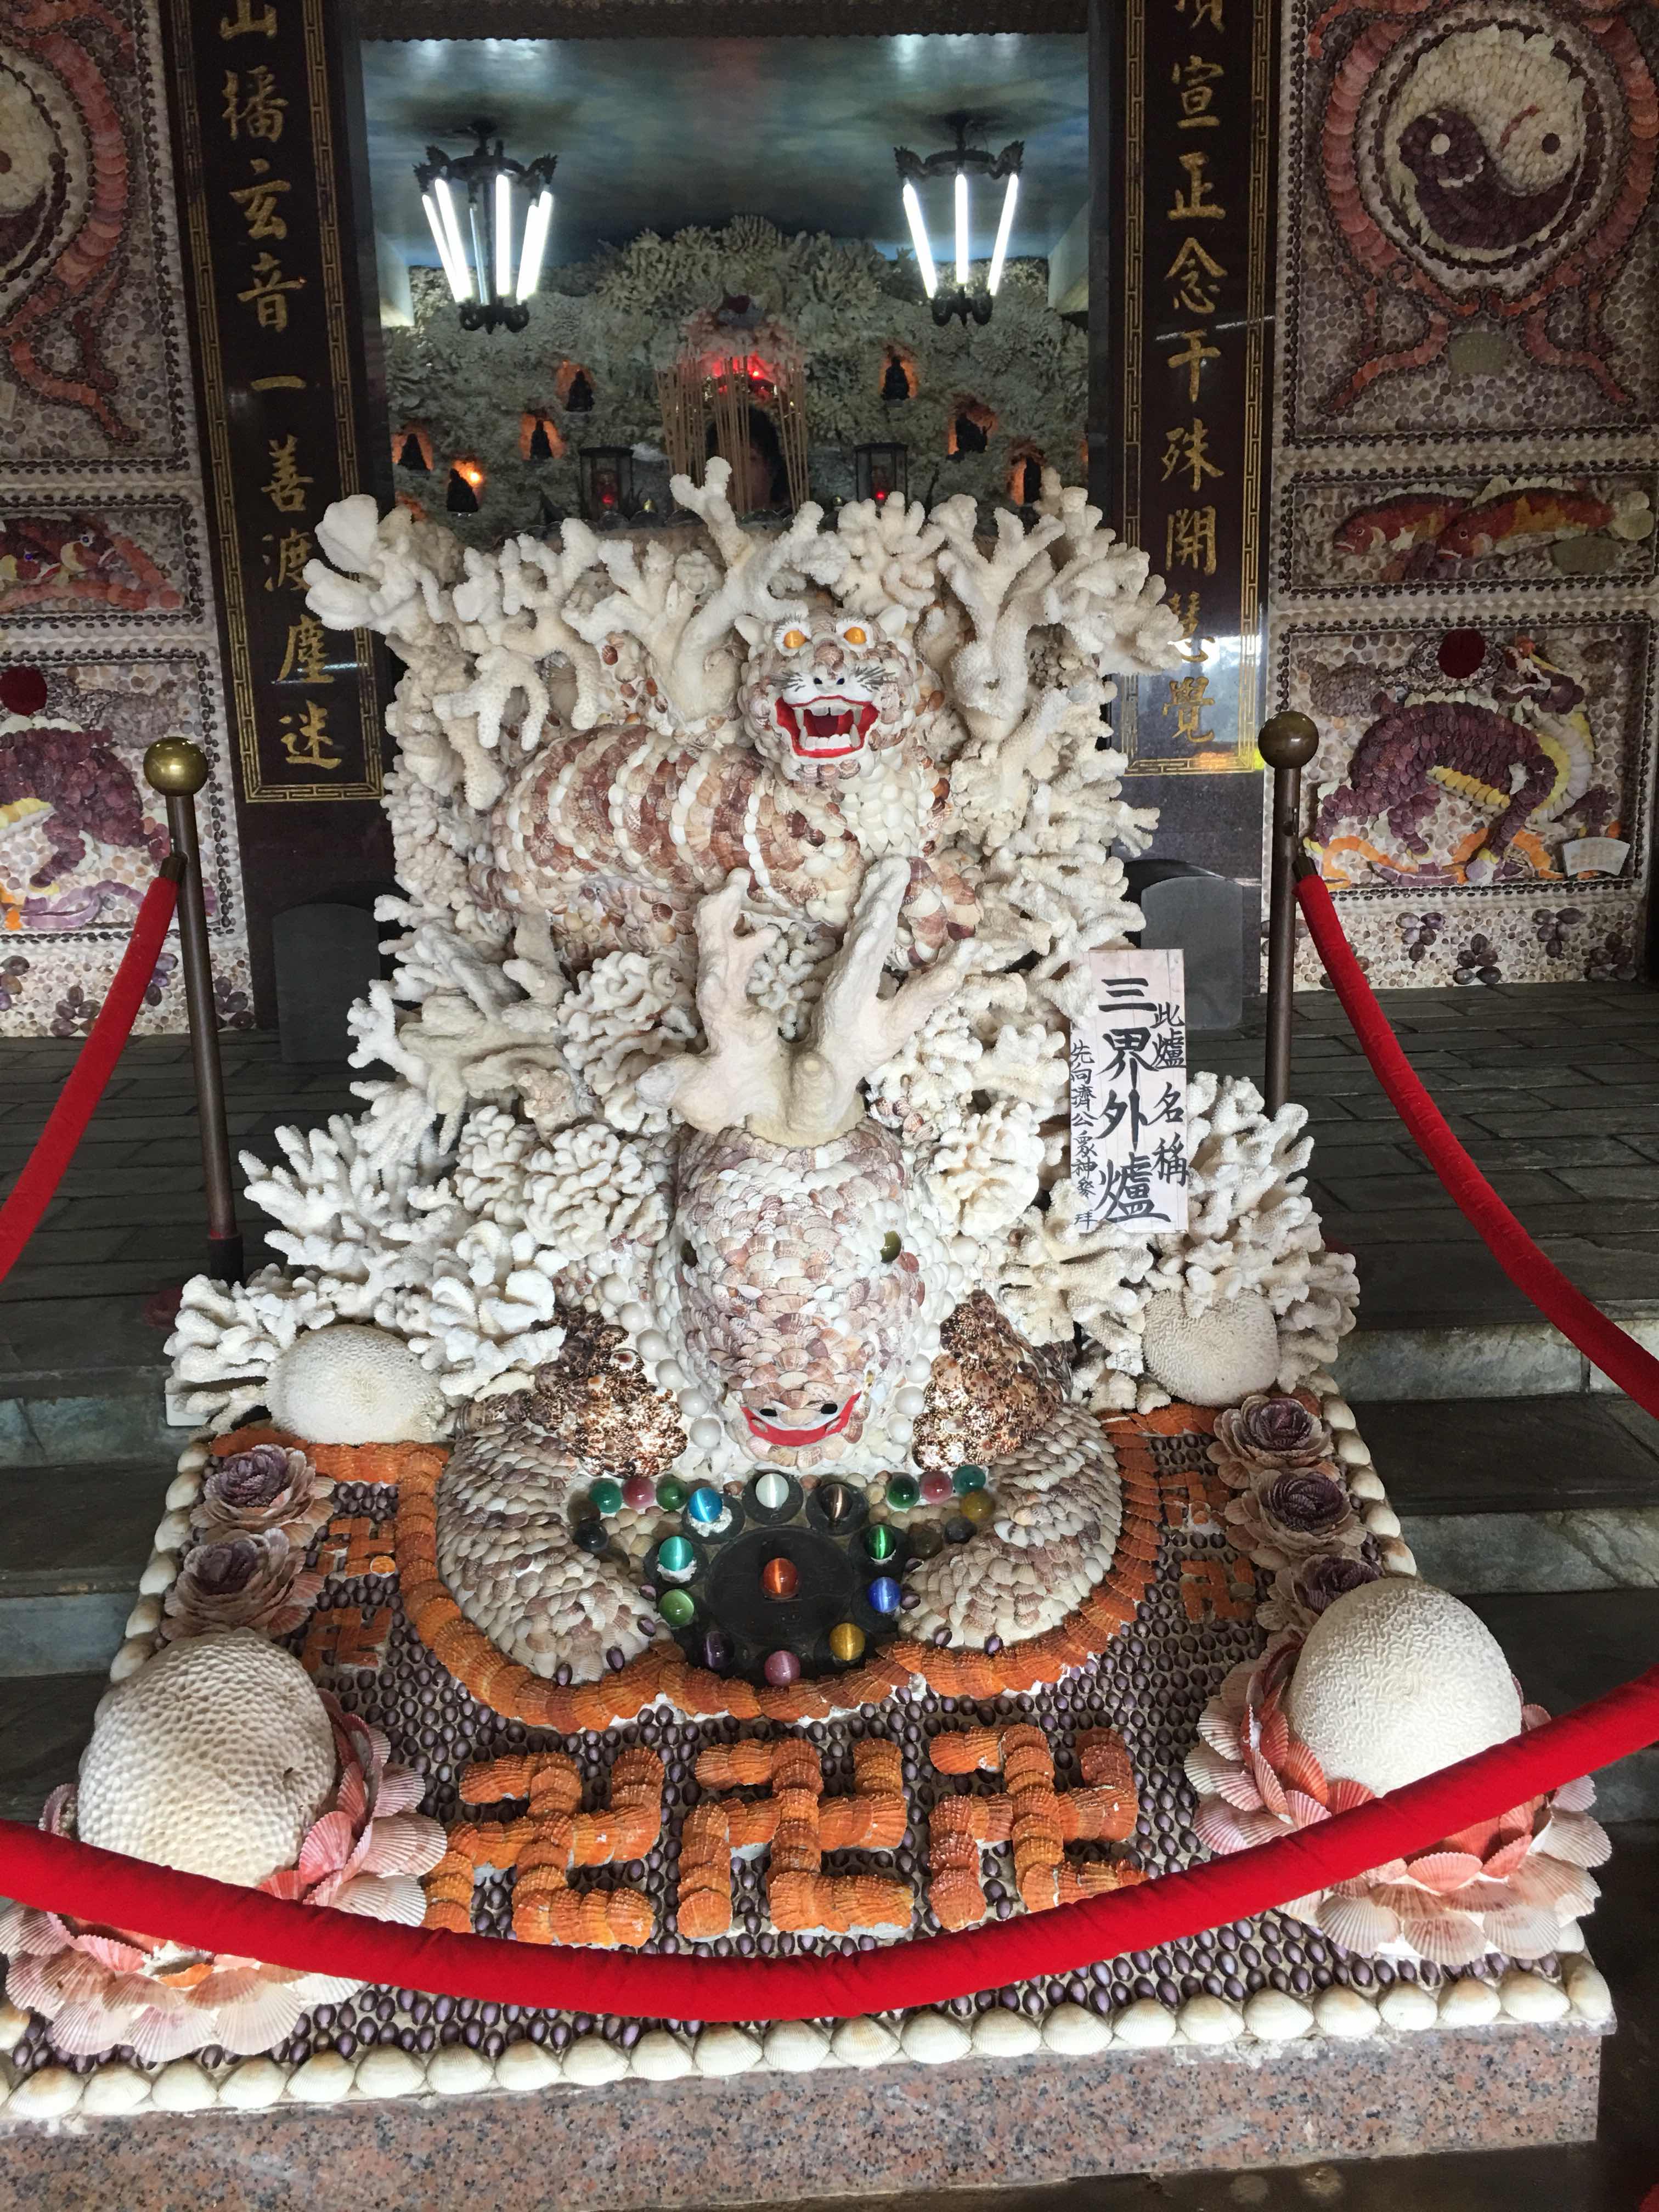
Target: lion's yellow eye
[[856, 636], [794, 640]]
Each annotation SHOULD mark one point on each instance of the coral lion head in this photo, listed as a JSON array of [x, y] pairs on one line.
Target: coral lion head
[[822, 695]]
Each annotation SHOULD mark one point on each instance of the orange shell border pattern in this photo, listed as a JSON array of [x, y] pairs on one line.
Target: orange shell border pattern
[[663, 1674]]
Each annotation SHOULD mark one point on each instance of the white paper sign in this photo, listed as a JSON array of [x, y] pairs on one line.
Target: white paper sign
[[1129, 1092]]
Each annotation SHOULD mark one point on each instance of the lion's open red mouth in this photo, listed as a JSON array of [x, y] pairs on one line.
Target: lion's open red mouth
[[772, 1432], [828, 729]]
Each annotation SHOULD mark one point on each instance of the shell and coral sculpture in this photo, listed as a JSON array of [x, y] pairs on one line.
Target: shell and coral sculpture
[[1397, 1679], [268, 1487], [307, 1807], [750, 880]]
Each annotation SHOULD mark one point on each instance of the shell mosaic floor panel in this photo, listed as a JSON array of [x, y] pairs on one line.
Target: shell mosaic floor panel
[[1114, 1735]]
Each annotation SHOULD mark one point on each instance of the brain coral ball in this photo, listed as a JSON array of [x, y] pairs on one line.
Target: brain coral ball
[[350, 1384], [1397, 1679], [1213, 1358], [215, 1758]]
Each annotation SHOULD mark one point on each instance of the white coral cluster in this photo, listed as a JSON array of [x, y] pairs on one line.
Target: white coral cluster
[[516, 1155]]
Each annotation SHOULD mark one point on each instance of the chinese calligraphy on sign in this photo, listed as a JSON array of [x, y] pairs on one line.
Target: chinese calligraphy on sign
[[1129, 1092], [1194, 330]]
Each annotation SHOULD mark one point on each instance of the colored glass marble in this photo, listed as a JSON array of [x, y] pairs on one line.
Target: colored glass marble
[[716, 1651], [884, 1595], [903, 1491], [935, 1488], [892, 1245], [926, 1542], [592, 1535], [678, 1608], [782, 1668], [637, 1493], [835, 1500], [968, 1477], [977, 1506], [677, 1557], [959, 1528], [846, 1643], [705, 1505], [779, 1578], [879, 1540], [604, 1496], [772, 1490], [670, 1495]]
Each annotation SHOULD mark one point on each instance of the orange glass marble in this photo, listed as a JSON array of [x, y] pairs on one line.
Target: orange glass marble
[[779, 1578]]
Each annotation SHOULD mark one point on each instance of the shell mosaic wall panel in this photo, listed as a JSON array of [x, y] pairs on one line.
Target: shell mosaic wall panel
[[107, 639], [1463, 477]]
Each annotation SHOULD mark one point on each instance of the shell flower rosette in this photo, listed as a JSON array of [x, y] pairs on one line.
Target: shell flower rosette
[[1270, 1433], [1290, 1514], [256, 1580], [1301, 1592], [100, 1988], [268, 1487], [1515, 1884]]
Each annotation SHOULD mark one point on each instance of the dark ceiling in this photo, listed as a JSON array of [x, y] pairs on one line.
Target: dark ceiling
[[653, 134]]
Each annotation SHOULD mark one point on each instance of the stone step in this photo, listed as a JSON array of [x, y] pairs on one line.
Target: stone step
[[1488, 1359], [76, 1540], [1523, 1494], [45, 1722], [1568, 1646]]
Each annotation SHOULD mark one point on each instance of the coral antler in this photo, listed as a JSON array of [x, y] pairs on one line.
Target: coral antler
[[806, 1094]]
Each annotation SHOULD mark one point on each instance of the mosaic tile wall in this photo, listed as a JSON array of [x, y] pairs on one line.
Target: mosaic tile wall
[[1466, 427], [107, 639]]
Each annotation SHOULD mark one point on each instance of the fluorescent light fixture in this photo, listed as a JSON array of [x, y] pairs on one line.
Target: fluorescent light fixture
[[1005, 231], [918, 239], [537, 223], [461, 280], [503, 238], [961, 227], [436, 220]]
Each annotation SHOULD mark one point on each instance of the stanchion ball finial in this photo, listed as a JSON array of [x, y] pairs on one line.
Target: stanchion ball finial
[[175, 766], [1288, 741]]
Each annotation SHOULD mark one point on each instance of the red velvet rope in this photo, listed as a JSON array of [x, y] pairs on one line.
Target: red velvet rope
[[51, 1871], [1538, 1278], [54, 1148]]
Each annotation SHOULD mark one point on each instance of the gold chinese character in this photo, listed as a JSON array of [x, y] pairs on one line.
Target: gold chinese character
[[1188, 608], [1196, 79], [1188, 450], [1192, 357], [306, 738], [1196, 278], [269, 292], [1196, 205], [1189, 696], [287, 487], [258, 206], [1204, 11], [245, 24], [307, 658], [1189, 540], [294, 550], [256, 111]]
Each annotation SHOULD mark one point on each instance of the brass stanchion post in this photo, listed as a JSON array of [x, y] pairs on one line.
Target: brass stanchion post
[[178, 769], [1287, 744]]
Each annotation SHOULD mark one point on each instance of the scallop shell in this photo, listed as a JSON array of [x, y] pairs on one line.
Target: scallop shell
[[1359, 1924], [1305, 1811], [1443, 1871], [1450, 1939], [1575, 1797], [1575, 1837], [1524, 1931]]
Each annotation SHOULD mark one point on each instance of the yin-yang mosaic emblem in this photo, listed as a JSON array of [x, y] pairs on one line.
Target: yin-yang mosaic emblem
[[1491, 163]]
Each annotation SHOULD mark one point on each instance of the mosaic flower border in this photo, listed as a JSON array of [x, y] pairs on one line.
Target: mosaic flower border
[[1580, 2000]]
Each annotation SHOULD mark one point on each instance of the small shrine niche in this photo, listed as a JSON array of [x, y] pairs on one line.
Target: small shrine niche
[[736, 392], [573, 389], [972, 429], [539, 438], [1025, 475], [411, 449], [900, 378], [464, 492]]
